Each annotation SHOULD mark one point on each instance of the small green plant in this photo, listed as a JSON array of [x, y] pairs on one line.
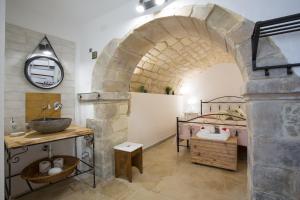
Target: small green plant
[[142, 88], [168, 90]]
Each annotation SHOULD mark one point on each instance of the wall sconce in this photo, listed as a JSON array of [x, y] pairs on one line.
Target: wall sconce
[[94, 53], [45, 49], [147, 4]]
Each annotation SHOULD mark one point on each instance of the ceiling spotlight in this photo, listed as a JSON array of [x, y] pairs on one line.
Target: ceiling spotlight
[[159, 2], [45, 49], [47, 52], [148, 4], [140, 8]]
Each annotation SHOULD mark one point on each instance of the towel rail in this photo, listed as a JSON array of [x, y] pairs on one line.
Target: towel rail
[[272, 27]]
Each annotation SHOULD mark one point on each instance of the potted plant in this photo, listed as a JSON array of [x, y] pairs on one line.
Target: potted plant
[[142, 89], [168, 90]]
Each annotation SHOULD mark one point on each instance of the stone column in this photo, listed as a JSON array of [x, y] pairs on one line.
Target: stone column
[[274, 138], [110, 126]]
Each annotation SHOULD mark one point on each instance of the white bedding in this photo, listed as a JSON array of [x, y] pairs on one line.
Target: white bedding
[[213, 136], [209, 132]]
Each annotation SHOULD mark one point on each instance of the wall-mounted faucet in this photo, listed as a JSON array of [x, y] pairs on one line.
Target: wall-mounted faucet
[[57, 106], [44, 108]]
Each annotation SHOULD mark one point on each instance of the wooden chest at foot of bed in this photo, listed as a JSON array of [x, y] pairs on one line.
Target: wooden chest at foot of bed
[[221, 154]]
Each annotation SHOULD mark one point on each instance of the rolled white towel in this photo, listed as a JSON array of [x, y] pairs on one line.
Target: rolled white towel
[[54, 170], [44, 166], [58, 162]]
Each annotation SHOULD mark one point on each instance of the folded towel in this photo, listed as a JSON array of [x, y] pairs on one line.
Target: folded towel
[[213, 136]]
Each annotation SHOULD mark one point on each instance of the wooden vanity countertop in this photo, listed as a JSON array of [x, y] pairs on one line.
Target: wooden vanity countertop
[[33, 137]]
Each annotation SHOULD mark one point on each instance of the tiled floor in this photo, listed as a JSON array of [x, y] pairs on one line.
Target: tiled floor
[[167, 176]]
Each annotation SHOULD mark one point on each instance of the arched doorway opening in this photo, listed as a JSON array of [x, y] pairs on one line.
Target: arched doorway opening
[[213, 27]]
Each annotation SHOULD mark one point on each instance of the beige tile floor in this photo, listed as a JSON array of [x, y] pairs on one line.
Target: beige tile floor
[[167, 176]]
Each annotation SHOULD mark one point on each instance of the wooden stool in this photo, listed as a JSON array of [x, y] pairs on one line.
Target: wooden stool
[[128, 154]]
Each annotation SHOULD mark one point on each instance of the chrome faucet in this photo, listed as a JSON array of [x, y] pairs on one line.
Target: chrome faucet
[[57, 106], [44, 108]]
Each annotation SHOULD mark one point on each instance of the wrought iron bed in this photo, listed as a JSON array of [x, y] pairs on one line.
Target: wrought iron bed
[[221, 102]]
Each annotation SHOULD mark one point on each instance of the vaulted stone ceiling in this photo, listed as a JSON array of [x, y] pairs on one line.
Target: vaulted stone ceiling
[[173, 60]]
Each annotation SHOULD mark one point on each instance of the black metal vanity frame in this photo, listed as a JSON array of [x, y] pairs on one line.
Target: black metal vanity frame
[[14, 158]]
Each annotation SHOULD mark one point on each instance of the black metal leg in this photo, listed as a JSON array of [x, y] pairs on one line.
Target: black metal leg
[[75, 147], [75, 152], [6, 189], [9, 173], [188, 143], [177, 134], [94, 171], [29, 185], [14, 158]]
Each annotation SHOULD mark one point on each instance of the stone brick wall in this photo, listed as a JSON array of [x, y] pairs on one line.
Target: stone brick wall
[[20, 43], [170, 61], [110, 126], [274, 138]]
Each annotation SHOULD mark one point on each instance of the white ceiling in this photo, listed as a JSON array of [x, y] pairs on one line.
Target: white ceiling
[[66, 18], [78, 11]]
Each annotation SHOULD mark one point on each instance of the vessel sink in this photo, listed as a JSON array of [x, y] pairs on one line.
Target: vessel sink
[[50, 125]]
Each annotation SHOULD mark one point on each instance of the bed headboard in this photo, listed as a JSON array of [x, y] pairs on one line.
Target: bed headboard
[[220, 102]]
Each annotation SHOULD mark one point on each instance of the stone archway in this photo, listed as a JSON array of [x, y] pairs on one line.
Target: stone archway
[[270, 97]]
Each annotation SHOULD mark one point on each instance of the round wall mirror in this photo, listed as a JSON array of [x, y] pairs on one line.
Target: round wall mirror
[[44, 72]]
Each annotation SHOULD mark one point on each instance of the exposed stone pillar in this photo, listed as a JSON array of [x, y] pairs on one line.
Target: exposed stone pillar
[[274, 138], [110, 126]]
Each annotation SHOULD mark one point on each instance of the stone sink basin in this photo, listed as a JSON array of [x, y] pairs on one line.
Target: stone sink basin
[[50, 125]]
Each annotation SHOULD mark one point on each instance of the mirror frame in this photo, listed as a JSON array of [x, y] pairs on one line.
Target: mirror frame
[[29, 60]]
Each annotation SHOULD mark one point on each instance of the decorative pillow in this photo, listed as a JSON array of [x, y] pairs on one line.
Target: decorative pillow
[[224, 130], [223, 116], [242, 113], [235, 115]]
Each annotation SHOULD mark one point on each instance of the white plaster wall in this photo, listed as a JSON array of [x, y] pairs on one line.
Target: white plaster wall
[[20, 42], [153, 117], [219, 80], [2, 61], [41, 16]]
